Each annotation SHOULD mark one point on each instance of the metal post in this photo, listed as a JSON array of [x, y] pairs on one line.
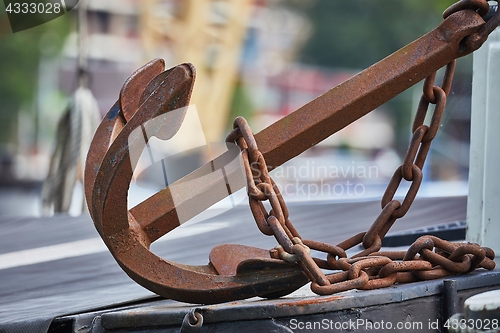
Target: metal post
[[483, 211]]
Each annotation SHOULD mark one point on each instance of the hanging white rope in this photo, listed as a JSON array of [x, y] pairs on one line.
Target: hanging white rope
[[74, 134]]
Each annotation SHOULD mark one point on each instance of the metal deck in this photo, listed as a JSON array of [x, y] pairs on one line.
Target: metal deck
[[59, 268]]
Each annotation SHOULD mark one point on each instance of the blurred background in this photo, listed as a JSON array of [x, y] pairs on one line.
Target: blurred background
[[261, 59]]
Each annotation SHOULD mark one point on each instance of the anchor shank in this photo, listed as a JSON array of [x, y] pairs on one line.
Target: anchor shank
[[323, 116]]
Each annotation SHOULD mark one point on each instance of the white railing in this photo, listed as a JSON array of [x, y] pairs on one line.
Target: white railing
[[483, 209]]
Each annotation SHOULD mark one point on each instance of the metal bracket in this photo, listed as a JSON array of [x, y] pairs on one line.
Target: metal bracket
[[192, 322]]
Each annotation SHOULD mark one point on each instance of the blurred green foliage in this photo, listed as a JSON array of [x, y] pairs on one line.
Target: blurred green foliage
[[19, 60], [358, 33]]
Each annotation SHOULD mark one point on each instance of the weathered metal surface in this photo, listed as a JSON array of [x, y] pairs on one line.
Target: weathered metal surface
[[128, 234], [192, 322], [379, 271], [413, 303], [368, 269], [133, 88], [325, 115], [108, 175]]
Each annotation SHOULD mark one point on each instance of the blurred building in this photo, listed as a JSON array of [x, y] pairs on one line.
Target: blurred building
[[248, 44], [114, 49]]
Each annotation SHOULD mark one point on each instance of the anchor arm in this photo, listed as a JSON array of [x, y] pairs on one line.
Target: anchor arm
[[108, 174]]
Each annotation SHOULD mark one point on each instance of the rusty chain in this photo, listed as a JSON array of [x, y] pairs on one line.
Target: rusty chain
[[427, 258]]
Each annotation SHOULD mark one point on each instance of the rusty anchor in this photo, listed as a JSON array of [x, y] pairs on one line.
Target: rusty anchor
[[150, 92], [235, 271]]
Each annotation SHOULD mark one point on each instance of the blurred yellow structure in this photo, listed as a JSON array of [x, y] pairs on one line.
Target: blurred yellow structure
[[208, 34]]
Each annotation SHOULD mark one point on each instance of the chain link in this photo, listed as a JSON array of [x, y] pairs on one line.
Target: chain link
[[482, 7], [429, 257]]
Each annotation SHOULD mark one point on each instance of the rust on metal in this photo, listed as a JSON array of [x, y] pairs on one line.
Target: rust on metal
[[306, 302], [340, 282], [108, 175], [404, 266], [236, 271], [327, 114]]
